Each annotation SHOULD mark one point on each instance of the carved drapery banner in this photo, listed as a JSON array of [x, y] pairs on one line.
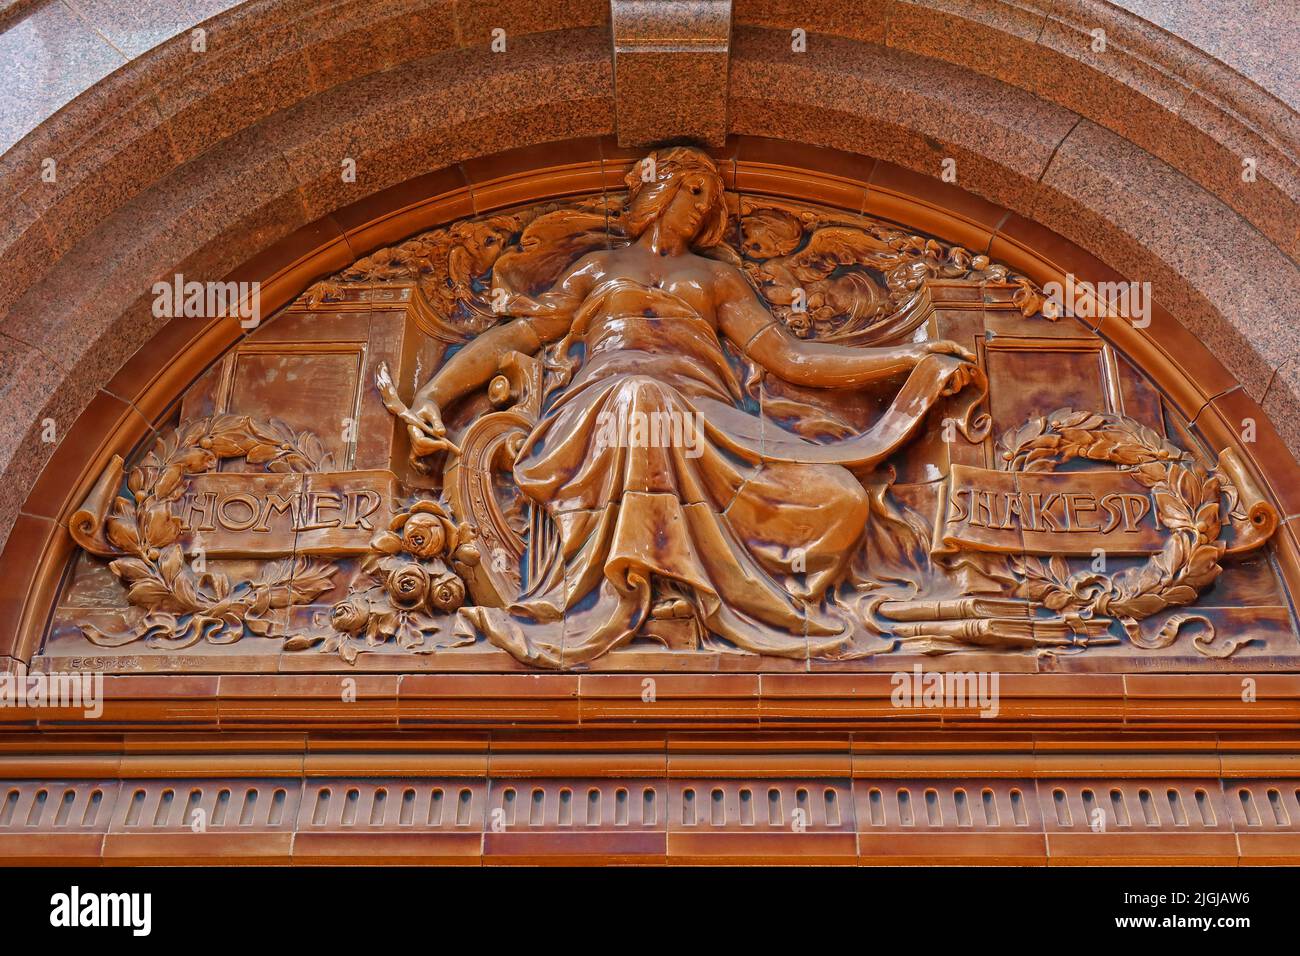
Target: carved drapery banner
[[670, 425]]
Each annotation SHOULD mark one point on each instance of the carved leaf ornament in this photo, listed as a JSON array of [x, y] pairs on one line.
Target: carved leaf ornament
[[1187, 500], [183, 606]]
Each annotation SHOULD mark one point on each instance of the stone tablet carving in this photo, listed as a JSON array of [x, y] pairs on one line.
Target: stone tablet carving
[[675, 422]]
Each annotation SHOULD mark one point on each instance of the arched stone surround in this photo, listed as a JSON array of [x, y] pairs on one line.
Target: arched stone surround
[[143, 392], [228, 166]]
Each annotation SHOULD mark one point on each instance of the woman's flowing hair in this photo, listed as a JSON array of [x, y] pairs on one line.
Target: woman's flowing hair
[[647, 200]]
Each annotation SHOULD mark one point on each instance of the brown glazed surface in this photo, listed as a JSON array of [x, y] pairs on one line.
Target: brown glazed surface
[[571, 499], [677, 427]]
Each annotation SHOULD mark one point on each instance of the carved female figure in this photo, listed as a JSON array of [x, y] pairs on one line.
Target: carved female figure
[[670, 490]]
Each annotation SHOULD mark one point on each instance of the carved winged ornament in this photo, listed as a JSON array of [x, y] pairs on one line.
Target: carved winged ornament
[[687, 410]]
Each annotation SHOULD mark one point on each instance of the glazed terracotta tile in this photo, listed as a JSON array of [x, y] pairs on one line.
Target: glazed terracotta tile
[[1281, 392], [940, 578], [62, 483], [1233, 418], [447, 188]]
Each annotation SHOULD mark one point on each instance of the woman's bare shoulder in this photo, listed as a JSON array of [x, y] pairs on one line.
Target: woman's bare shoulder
[[727, 278], [586, 268]]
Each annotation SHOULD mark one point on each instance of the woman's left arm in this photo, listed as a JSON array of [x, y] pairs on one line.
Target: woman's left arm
[[766, 340]]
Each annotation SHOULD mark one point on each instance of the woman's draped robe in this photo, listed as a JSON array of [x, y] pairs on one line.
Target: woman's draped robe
[[752, 523]]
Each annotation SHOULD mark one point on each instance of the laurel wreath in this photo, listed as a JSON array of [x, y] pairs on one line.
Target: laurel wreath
[[184, 606], [1187, 497]]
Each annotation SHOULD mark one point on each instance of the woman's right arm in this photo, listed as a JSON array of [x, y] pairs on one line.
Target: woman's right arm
[[539, 321], [475, 364]]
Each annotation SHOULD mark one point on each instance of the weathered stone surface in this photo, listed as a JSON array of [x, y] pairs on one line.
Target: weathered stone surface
[[670, 69]]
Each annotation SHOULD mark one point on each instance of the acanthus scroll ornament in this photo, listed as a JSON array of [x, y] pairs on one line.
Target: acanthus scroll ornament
[[852, 279], [826, 275]]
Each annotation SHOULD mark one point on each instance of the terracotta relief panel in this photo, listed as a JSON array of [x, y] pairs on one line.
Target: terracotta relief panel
[[674, 428]]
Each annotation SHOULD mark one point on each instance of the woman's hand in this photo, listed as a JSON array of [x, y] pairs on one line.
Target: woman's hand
[[963, 373], [966, 373], [429, 435]]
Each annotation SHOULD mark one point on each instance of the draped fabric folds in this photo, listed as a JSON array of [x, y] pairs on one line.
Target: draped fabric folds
[[653, 466]]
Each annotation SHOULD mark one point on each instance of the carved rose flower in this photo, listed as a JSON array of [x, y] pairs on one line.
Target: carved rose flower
[[447, 593], [425, 531], [350, 616], [467, 554], [423, 535], [407, 585]]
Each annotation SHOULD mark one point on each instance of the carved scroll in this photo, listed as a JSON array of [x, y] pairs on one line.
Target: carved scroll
[[1254, 518], [1187, 502]]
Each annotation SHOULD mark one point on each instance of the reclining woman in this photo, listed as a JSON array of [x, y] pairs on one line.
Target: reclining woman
[[751, 526]]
